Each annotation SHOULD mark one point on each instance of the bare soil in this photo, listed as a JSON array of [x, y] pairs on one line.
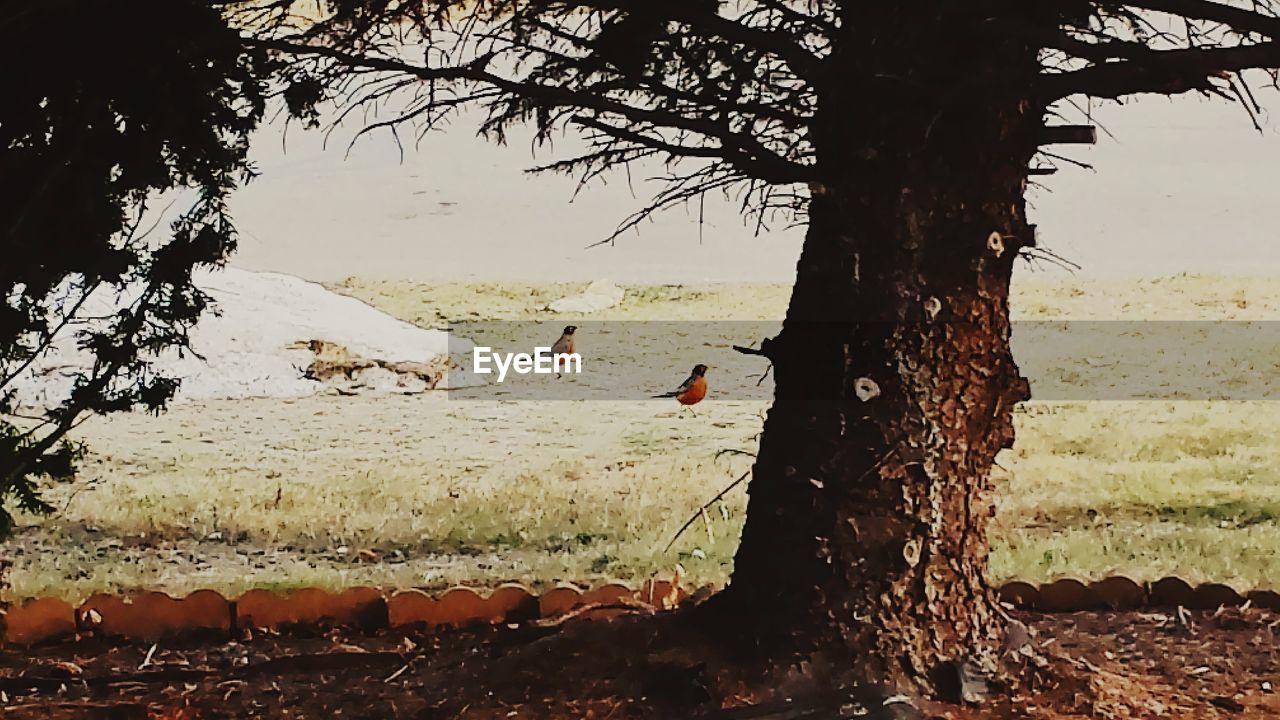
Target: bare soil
[[1170, 664]]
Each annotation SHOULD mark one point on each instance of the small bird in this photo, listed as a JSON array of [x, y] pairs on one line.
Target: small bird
[[566, 344], [691, 391]]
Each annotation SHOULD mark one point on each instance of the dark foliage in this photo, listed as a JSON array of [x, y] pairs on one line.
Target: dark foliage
[[107, 104]]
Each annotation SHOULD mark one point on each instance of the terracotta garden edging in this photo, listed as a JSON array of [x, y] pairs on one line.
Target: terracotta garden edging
[[153, 616], [1121, 593]]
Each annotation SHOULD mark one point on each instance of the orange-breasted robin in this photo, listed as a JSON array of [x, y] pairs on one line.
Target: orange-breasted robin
[[691, 391], [565, 344]]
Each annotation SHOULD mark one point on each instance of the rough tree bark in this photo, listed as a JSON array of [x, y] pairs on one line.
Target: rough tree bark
[[865, 541]]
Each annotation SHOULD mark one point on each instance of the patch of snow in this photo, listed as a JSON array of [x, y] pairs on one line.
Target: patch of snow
[[599, 295], [378, 379], [254, 343]]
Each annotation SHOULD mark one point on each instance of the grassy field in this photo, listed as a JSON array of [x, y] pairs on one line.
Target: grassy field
[[424, 491]]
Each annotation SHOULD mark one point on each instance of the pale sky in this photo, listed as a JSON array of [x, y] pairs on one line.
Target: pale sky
[[1185, 185]]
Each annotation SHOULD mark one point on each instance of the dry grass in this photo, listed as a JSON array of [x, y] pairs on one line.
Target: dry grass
[[424, 491]]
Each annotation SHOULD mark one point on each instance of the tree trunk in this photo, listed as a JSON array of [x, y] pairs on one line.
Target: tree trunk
[[865, 542]]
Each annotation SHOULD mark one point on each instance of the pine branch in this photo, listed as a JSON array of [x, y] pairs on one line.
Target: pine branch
[[1167, 72], [1237, 18]]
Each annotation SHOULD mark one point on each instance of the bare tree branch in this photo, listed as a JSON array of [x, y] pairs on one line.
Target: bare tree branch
[[1236, 17], [1168, 72]]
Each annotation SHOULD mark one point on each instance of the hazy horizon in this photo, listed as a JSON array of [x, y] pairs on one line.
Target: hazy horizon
[[1185, 185]]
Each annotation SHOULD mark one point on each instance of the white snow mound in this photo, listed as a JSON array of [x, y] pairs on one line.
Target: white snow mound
[[599, 295], [256, 345]]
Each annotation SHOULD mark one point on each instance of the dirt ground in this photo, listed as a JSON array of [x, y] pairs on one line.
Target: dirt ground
[[1158, 664]]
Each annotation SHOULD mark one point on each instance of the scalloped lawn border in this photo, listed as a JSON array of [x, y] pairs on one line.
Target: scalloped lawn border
[[154, 616]]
